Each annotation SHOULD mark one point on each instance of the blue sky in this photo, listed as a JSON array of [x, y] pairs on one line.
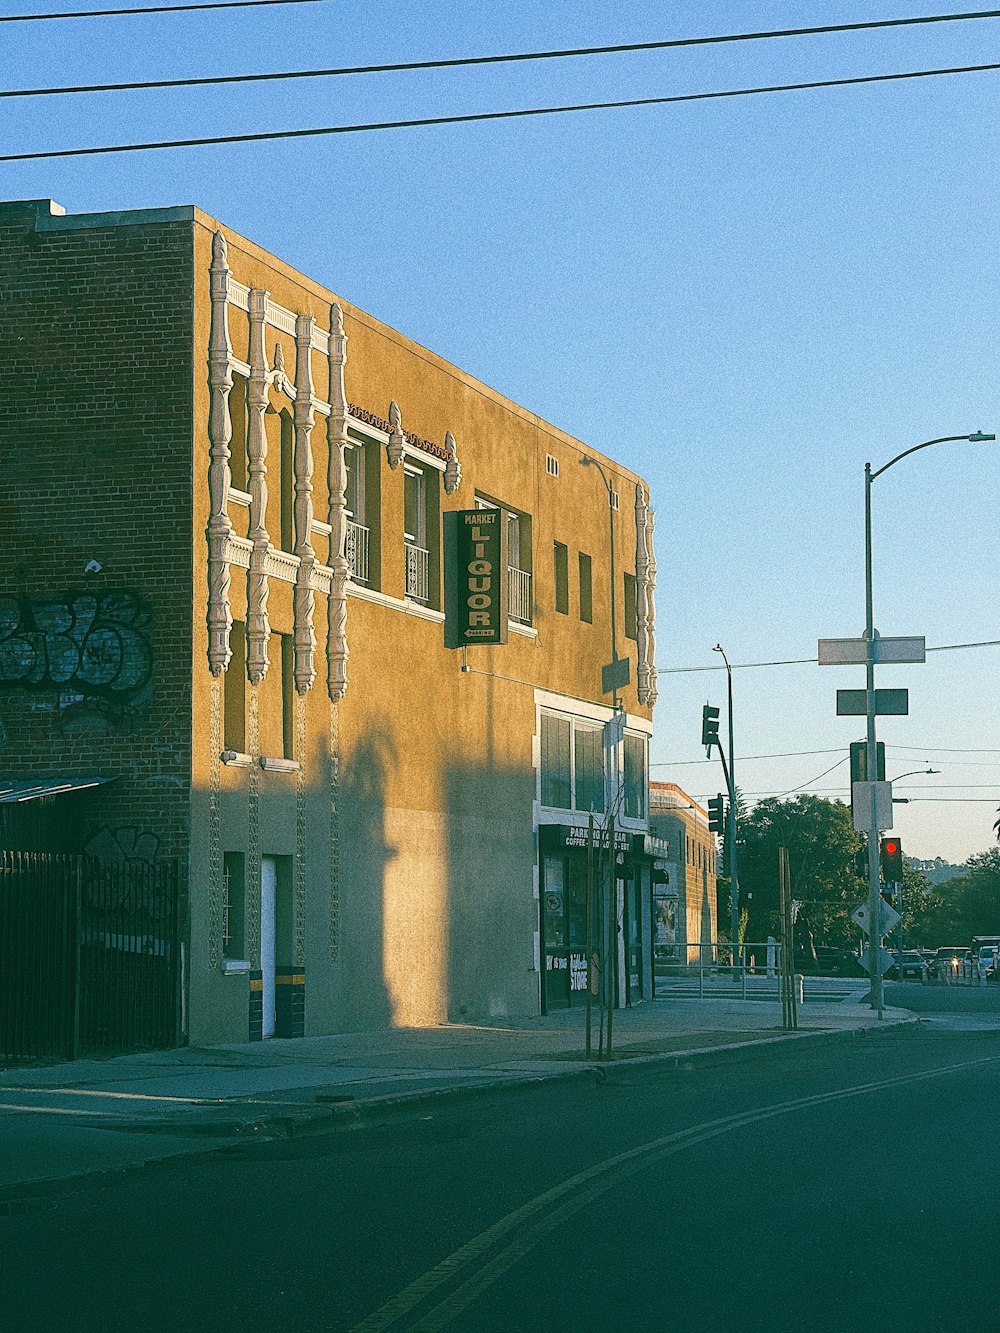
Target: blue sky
[[742, 300]]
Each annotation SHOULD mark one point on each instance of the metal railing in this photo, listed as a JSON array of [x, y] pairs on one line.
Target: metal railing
[[519, 595], [417, 572], [356, 550]]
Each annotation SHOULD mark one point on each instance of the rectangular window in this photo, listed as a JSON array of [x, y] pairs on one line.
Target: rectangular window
[[557, 790], [356, 540], [635, 776], [234, 728], [561, 564], [631, 621], [518, 560], [586, 589], [287, 696], [588, 775], [286, 485], [233, 904], [238, 441], [415, 538]]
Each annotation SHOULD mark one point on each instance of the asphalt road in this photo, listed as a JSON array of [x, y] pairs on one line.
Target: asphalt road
[[837, 1185]]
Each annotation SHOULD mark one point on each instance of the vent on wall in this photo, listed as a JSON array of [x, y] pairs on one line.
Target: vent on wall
[[552, 465], [614, 499]]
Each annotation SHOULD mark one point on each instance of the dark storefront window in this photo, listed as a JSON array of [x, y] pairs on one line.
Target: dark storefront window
[[635, 777], [556, 789], [588, 744]]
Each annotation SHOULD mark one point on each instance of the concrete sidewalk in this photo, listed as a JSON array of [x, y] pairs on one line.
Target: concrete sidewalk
[[287, 1087]]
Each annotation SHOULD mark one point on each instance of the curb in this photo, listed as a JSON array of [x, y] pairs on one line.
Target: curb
[[360, 1111]]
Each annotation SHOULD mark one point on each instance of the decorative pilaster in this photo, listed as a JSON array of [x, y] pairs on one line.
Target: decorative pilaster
[[220, 433], [641, 604], [215, 866], [252, 919], [337, 650], [299, 909], [651, 607], [452, 469], [258, 628], [394, 448], [334, 831], [305, 633]]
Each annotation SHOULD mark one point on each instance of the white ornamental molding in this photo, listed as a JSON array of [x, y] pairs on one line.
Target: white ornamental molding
[[258, 627], [304, 600], [396, 445], [220, 433], [452, 469], [641, 581], [651, 692], [337, 650]]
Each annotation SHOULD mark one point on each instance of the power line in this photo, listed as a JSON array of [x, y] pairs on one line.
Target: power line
[[817, 777], [210, 4], [744, 758], [459, 62], [943, 749], [483, 116], [807, 661]]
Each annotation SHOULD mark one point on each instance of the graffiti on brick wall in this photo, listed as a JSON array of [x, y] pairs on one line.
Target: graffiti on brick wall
[[123, 845], [94, 645]]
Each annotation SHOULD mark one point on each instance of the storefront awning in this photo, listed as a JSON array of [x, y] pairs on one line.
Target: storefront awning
[[32, 789]]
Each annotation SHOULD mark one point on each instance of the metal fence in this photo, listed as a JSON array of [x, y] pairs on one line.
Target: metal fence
[[89, 956]]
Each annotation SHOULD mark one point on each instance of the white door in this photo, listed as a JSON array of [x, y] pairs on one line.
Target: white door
[[268, 882]]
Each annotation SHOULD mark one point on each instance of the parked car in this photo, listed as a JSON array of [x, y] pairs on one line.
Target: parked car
[[985, 961], [913, 966], [948, 963]]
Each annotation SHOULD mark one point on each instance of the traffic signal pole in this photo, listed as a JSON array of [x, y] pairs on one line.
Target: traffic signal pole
[[874, 940]]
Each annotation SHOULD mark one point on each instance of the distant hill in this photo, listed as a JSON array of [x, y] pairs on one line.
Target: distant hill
[[937, 870]]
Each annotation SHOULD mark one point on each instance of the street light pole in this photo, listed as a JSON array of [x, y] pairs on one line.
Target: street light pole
[[877, 992], [612, 960], [734, 888]]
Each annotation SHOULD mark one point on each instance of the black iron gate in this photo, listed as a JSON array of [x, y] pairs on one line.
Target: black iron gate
[[89, 956]]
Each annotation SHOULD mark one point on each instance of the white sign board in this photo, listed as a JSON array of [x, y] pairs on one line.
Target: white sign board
[[883, 959], [888, 917], [854, 652], [861, 801]]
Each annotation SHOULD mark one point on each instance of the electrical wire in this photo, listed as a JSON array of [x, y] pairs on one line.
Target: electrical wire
[[484, 116], [790, 790], [173, 9], [406, 66], [811, 661]]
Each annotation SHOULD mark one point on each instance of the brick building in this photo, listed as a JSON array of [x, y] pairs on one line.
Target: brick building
[[686, 902], [222, 635]]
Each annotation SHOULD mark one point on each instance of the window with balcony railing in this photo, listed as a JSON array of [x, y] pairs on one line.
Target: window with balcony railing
[[416, 553], [519, 602]]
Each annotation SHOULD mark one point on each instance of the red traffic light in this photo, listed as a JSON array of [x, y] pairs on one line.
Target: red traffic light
[[892, 861], [891, 846]]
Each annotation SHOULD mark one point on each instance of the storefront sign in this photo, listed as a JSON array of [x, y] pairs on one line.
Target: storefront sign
[[475, 577]]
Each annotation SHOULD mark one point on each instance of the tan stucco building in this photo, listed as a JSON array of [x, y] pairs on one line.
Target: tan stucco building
[[686, 898], [374, 828]]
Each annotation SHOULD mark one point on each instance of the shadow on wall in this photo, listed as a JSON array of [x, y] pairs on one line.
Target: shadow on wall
[[365, 854], [492, 914]]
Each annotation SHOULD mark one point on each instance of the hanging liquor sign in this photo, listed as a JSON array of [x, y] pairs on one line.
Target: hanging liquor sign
[[475, 577]]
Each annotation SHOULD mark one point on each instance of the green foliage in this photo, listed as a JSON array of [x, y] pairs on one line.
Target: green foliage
[[821, 843], [971, 902]]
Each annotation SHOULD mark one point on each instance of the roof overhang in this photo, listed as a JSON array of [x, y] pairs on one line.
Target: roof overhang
[[33, 789]]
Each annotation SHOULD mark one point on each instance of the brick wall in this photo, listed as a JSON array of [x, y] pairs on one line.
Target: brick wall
[[95, 459]]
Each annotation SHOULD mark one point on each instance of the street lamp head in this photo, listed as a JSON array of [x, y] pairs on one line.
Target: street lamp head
[[977, 437], [718, 648]]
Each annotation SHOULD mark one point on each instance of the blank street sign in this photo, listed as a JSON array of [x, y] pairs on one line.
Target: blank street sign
[[854, 652], [888, 703]]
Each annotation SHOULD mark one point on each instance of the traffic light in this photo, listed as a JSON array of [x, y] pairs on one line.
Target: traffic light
[[717, 813], [892, 861], [709, 726]]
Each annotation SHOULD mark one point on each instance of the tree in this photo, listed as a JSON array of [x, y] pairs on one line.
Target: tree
[[822, 844], [971, 902]]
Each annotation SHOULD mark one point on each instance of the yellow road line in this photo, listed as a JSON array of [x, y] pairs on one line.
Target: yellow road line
[[583, 1187]]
